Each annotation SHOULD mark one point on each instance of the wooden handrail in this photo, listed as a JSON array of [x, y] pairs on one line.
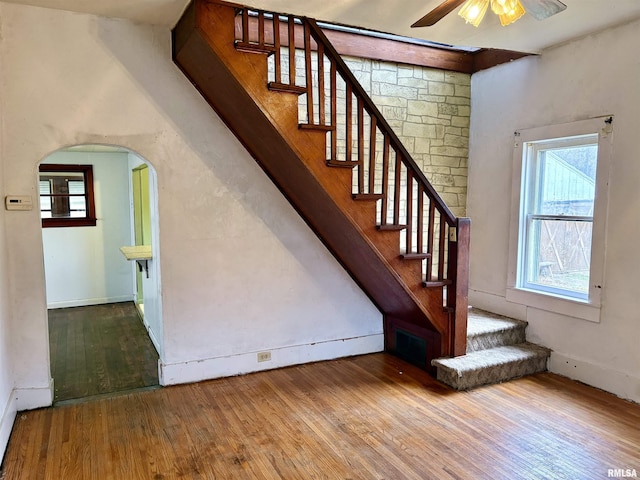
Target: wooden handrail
[[371, 108], [409, 200]]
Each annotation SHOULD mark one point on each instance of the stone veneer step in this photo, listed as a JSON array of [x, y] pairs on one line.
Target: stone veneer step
[[493, 365]]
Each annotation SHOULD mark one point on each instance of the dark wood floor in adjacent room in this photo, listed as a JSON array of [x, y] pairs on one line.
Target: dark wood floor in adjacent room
[[368, 417], [99, 349]]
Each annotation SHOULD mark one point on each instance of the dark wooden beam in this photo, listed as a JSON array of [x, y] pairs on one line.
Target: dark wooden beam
[[370, 47], [396, 51], [490, 57]]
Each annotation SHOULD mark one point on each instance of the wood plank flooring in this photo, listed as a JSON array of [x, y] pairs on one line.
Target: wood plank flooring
[[368, 417], [99, 349]]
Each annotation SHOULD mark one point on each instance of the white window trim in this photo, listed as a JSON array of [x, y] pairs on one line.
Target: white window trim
[[588, 309]]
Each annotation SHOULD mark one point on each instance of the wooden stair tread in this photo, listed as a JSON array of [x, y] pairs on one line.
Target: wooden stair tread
[[391, 227], [287, 88], [313, 126], [436, 283], [415, 256], [342, 163], [254, 48], [367, 196], [291, 153]]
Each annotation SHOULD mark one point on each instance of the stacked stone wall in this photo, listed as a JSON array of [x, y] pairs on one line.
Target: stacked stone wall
[[429, 110]]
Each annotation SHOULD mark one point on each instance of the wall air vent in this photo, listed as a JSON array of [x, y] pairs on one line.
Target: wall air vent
[[411, 348]]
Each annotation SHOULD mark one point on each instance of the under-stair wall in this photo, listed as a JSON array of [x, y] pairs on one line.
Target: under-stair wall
[[355, 186]]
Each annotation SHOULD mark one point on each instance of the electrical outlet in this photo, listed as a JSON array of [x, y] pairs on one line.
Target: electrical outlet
[[264, 356]]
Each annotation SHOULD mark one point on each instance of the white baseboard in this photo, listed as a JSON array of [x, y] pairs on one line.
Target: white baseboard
[[153, 338], [619, 383], [21, 399], [30, 398], [89, 301], [7, 417], [198, 370]]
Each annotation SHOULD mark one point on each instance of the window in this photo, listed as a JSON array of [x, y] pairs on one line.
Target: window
[[557, 198], [558, 219], [66, 195]]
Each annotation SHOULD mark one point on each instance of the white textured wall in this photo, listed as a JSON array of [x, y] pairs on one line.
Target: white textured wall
[[594, 76], [7, 402], [83, 265], [241, 272]]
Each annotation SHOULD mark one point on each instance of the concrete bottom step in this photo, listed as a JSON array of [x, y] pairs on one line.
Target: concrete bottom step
[[493, 365]]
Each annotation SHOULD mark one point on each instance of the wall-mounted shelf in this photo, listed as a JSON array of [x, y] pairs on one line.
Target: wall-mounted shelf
[[140, 253]]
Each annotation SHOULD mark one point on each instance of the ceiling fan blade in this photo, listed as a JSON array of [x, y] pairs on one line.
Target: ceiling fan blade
[[438, 13], [541, 9]]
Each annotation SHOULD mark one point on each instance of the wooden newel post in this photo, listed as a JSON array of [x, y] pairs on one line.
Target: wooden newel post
[[458, 297]]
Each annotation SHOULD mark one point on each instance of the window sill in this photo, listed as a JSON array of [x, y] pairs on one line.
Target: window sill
[[556, 304], [68, 222]]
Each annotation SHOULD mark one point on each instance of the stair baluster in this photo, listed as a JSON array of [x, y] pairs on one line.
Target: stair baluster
[[408, 208], [437, 222]]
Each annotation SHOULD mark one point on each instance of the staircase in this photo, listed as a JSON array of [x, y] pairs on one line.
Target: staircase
[[287, 95], [497, 351]]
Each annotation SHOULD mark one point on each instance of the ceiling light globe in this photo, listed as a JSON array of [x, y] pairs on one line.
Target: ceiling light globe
[[512, 15], [503, 7], [473, 11]]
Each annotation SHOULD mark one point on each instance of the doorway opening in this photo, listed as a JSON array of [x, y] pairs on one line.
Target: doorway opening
[[104, 333], [141, 224]]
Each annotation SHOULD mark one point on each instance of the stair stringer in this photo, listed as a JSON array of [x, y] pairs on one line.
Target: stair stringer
[[235, 85]]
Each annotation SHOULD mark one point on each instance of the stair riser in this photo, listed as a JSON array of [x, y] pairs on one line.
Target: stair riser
[[484, 341], [492, 375]]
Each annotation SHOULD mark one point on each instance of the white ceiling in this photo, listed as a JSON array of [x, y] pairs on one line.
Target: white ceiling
[[527, 34]]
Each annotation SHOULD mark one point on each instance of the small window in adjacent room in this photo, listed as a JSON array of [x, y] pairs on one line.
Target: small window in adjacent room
[[66, 195], [558, 223]]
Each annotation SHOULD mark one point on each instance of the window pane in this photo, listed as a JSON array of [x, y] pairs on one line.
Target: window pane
[[45, 199], [567, 181], [45, 187], [559, 254], [77, 207], [76, 187]]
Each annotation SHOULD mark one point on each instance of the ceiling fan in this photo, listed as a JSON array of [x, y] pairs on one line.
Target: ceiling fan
[[508, 10]]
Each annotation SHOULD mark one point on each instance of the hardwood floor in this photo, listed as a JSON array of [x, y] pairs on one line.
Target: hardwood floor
[[99, 349], [368, 417]]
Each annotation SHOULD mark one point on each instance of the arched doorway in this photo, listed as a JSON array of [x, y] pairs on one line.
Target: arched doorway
[[100, 343]]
